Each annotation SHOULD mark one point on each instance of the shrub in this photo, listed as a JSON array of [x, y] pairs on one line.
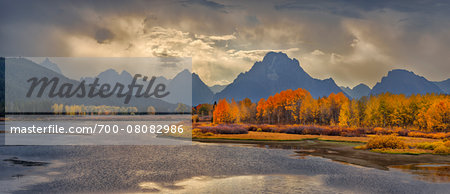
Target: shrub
[[440, 135], [382, 131], [195, 118], [253, 128], [429, 135], [386, 141], [225, 129], [208, 134], [441, 149], [447, 143], [428, 145], [400, 131], [354, 132], [196, 131], [268, 128], [300, 129], [320, 130]]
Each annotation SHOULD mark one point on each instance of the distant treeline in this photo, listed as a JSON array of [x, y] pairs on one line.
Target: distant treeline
[[48, 107], [430, 112], [100, 110], [107, 110]]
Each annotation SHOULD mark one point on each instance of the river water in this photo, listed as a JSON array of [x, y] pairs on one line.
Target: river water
[[197, 168]]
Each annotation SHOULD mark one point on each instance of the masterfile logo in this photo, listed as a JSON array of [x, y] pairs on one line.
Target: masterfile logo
[[66, 90]]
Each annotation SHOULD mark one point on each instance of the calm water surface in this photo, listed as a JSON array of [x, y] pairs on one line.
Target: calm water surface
[[202, 168]]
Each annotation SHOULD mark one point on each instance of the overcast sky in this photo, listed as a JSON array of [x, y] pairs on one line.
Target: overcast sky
[[78, 67], [351, 41]]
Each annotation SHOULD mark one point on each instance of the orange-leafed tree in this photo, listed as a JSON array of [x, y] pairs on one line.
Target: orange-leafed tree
[[234, 112], [345, 114], [260, 108], [247, 110], [336, 101], [428, 112], [222, 112], [438, 116]]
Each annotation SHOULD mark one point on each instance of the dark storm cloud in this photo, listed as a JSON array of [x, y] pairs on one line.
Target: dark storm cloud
[[353, 8], [328, 7], [206, 3], [103, 35], [351, 41]]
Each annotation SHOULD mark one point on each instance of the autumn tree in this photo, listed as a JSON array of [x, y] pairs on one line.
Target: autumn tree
[[260, 109], [182, 108], [234, 112], [151, 110], [247, 110], [204, 109], [438, 116], [427, 112], [222, 112], [345, 114]]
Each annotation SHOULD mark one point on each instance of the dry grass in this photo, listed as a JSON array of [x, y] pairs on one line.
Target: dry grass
[[412, 140], [395, 140], [386, 142], [340, 138], [257, 136], [286, 137], [403, 151], [277, 137], [406, 145], [429, 135]]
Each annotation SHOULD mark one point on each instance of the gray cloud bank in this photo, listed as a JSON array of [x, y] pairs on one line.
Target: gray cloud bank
[[350, 41]]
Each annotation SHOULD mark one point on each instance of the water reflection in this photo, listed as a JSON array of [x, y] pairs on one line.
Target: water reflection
[[437, 168], [243, 184], [19, 173], [427, 171], [20, 182], [210, 168]]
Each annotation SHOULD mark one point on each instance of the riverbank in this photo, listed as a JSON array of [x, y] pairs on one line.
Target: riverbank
[[339, 151], [257, 137]]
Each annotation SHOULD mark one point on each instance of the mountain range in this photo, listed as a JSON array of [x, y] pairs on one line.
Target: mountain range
[[19, 70], [277, 72], [217, 88], [50, 65], [399, 81], [444, 85], [199, 93], [357, 92], [180, 94]]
